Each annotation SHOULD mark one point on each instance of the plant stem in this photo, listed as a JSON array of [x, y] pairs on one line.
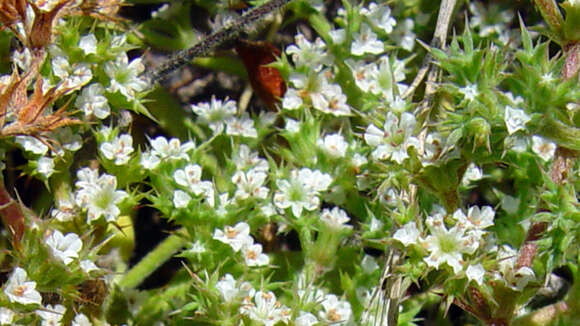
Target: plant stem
[[165, 250]]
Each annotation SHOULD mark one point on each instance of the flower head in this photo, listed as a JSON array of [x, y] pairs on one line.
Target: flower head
[[334, 144], [515, 119], [237, 236], [366, 41], [98, 194], [125, 76], [119, 149], [301, 190], [20, 289], [544, 148], [65, 248], [253, 255], [265, 309], [447, 245], [392, 142], [337, 312], [216, 113]]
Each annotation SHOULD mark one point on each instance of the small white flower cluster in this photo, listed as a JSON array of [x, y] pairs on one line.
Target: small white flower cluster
[[216, 114], [45, 165], [165, 150], [301, 191], [315, 89], [190, 178], [515, 120], [383, 78], [19, 289], [260, 306], [448, 245], [396, 137], [118, 150], [334, 310], [238, 237], [98, 195]]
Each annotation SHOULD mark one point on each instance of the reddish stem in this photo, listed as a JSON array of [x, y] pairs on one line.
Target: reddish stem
[[12, 215]]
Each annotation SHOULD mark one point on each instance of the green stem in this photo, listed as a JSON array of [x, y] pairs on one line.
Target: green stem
[[165, 250]]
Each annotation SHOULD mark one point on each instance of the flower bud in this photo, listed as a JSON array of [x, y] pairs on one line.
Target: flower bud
[[480, 129]]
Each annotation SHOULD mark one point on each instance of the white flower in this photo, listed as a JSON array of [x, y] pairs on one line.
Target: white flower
[[292, 126], [68, 140], [226, 286], [334, 144], [190, 177], [365, 75], [45, 166], [181, 199], [237, 236], [516, 143], [265, 309], [366, 41], [472, 173], [469, 92], [65, 211], [476, 218], [243, 126], [81, 320], [92, 101], [20, 289], [335, 218], [166, 150], [254, 256], [359, 160], [475, 273], [66, 248], [408, 234], [335, 100], [338, 35], [404, 35], [392, 142], [547, 78], [447, 246], [308, 54], [518, 278], [544, 148], [88, 44], [434, 145], [246, 160], [88, 266], [31, 144], [337, 312], [515, 119], [197, 247], [369, 264], [6, 316], [380, 16], [311, 89], [119, 149], [389, 76], [292, 99], [125, 76], [149, 161], [216, 113], [99, 195], [250, 184], [74, 76], [306, 319], [50, 315], [301, 191]]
